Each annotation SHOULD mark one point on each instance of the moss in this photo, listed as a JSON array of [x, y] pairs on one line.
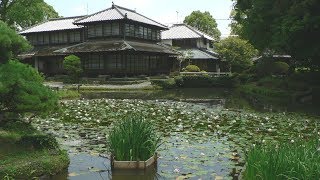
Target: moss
[[27, 153], [29, 164]]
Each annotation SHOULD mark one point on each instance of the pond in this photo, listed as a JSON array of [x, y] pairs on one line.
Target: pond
[[201, 139]]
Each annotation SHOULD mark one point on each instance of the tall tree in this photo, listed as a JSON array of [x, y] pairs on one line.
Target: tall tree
[[287, 26], [25, 13], [204, 22], [237, 52], [11, 44]]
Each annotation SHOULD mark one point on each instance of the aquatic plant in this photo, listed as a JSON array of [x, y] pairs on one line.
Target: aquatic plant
[[291, 160], [133, 139]]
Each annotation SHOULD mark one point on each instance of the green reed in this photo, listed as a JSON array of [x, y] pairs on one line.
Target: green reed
[[291, 160], [133, 139]]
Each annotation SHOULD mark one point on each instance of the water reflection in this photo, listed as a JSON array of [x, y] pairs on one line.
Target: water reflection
[[85, 166]]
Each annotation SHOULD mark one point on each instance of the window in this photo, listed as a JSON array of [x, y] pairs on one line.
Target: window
[[107, 30], [146, 61], [46, 39], [136, 32], [40, 39], [154, 61], [55, 38], [140, 63], [127, 29], [115, 29], [130, 63], [145, 33], [154, 34], [91, 31], [140, 32], [98, 30], [32, 39], [75, 37], [149, 33], [94, 62], [158, 35], [63, 37]]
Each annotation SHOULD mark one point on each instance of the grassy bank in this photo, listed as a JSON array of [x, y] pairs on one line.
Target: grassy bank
[[26, 153], [68, 94], [290, 160]]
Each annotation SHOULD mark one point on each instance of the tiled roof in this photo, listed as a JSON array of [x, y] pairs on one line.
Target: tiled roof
[[183, 31], [116, 13], [115, 45], [199, 54], [53, 25], [41, 51]]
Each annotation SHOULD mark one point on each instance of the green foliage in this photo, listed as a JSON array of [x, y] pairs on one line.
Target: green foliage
[[296, 160], [204, 22], [192, 68], [237, 52], [38, 142], [203, 81], [280, 68], [284, 26], [11, 44], [179, 81], [259, 95], [68, 94], [22, 90], [133, 139], [164, 83], [273, 82], [72, 64], [267, 66], [25, 13], [264, 67]]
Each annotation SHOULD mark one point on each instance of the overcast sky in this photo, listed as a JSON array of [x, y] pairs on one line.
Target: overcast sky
[[164, 11]]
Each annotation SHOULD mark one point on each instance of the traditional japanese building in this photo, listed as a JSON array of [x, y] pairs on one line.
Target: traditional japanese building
[[195, 44], [115, 41]]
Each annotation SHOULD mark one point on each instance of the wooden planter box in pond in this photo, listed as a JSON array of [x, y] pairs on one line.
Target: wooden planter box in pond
[[134, 164]]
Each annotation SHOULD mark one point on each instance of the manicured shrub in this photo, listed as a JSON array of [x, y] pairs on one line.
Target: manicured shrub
[[264, 67], [192, 68], [72, 64], [164, 83], [246, 78], [291, 160], [179, 81], [208, 81], [133, 139], [280, 68], [273, 82]]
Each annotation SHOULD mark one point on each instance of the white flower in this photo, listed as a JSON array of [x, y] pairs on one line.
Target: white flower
[[292, 141], [202, 154], [269, 130], [176, 170], [263, 141]]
